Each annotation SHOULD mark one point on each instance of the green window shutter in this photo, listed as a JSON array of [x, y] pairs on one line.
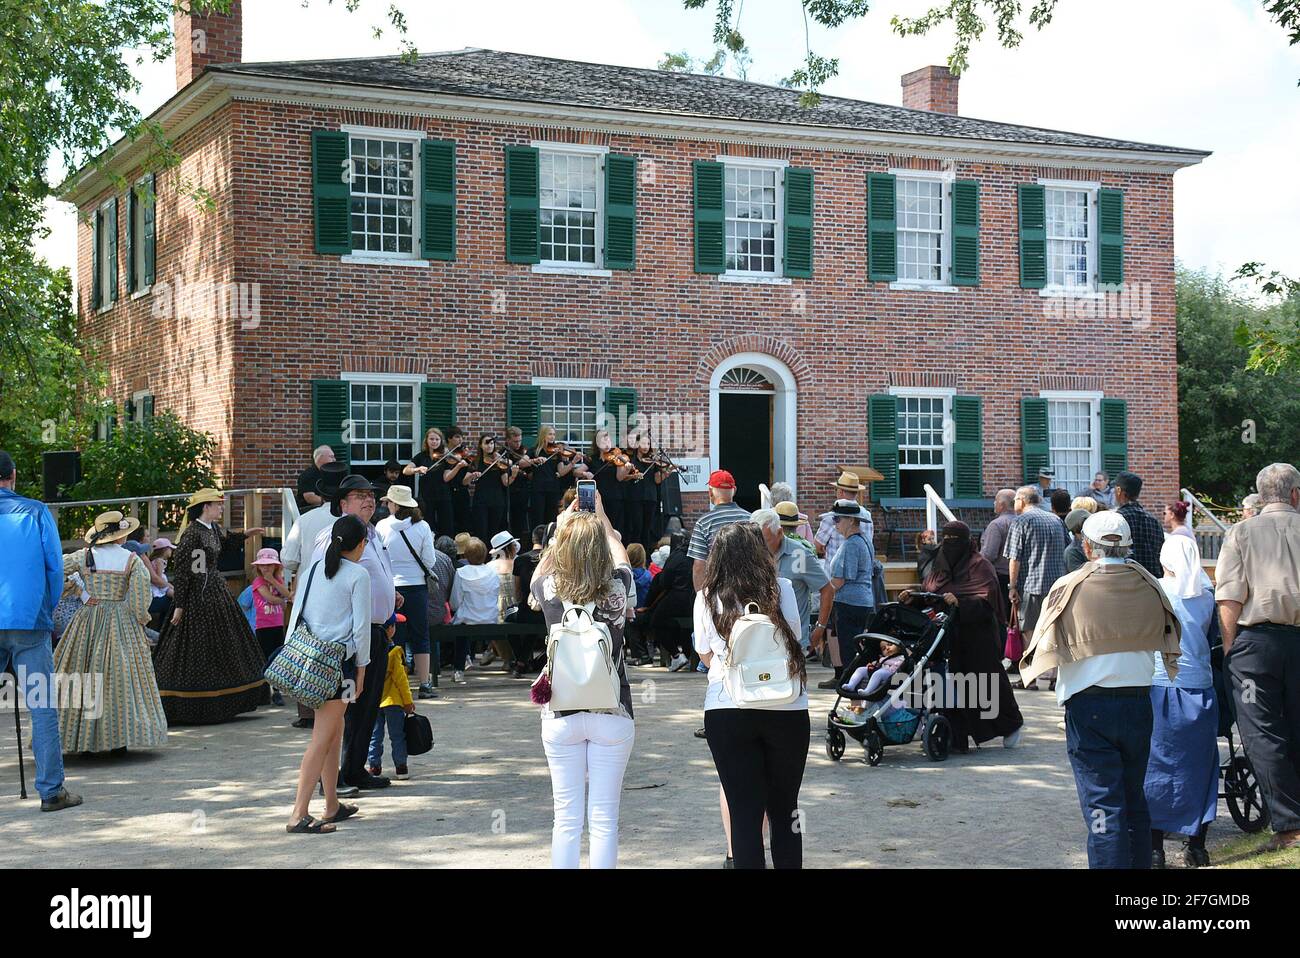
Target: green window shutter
[[798, 222], [620, 211], [524, 409], [1033, 237], [148, 409], [523, 180], [882, 439], [132, 204], [150, 238], [331, 405], [1035, 451], [110, 224], [331, 192], [438, 199], [710, 244], [1114, 436], [437, 408], [620, 406], [967, 447], [96, 287], [128, 413], [965, 233], [1110, 237], [882, 238]]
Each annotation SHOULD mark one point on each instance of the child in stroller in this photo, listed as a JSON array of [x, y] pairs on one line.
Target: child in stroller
[[870, 679]]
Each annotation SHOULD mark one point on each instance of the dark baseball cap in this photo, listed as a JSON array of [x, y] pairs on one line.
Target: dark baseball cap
[[6, 465]]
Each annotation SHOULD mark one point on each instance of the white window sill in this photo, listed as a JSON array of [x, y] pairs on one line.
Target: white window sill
[[105, 308], [924, 287], [1071, 292], [759, 280], [383, 260], [571, 270], [141, 293]]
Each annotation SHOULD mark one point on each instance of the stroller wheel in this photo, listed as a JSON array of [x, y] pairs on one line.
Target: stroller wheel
[[937, 737], [835, 743], [875, 746], [1241, 789]]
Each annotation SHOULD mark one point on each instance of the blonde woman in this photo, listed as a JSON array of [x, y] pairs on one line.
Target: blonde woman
[[587, 565], [435, 470], [557, 463], [1087, 503]]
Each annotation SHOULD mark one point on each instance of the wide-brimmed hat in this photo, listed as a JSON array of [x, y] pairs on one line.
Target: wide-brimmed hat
[[500, 541], [110, 527], [849, 509], [850, 480], [332, 474], [206, 495], [352, 483], [1046, 473], [162, 542], [400, 495], [267, 557], [789, 513]]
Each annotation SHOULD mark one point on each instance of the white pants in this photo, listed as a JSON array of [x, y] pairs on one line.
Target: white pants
[[587, 751]]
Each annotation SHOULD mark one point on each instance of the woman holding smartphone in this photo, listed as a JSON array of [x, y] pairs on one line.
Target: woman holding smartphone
[[587, 750]]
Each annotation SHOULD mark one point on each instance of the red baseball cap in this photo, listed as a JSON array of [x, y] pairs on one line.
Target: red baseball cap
[[721, 479]]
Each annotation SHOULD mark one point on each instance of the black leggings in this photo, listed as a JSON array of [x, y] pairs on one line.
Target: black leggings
[[760, 756]]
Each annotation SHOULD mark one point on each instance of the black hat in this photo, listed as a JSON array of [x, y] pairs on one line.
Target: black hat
[[849, 509], [332, 474], [353, 483]]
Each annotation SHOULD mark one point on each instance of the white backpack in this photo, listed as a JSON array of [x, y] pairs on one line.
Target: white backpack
[[580, 658], [757, 665]]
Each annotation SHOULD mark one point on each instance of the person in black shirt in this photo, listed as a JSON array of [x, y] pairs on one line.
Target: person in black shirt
[[457, 479], [521, 489], [434, 469], [672, 597], [307, 496], [643, 500], [614, 474], [555, 472], [492, 475], [526, 647], [393, 472]]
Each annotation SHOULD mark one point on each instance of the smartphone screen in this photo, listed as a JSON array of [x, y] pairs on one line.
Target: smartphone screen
[[587, 495]]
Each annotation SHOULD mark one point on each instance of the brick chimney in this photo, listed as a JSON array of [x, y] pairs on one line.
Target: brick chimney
[[930, 88], [202, 39]]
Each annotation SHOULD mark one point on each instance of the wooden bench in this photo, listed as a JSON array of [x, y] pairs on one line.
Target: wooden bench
[[904, 518]]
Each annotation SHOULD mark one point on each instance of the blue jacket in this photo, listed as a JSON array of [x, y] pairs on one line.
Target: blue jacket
[[31, 564]]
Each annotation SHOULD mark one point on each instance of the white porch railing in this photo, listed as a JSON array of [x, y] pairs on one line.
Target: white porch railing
[[934, 504]]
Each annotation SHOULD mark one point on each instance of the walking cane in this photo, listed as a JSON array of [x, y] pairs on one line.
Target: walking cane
[[18, 730]]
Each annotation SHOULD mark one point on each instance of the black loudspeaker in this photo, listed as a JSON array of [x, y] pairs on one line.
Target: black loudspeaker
[[59, 471]]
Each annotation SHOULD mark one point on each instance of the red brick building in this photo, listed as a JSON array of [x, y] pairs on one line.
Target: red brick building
[[486, 237]]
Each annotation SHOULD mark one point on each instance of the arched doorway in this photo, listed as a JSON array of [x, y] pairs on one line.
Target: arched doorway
[[752, 413]]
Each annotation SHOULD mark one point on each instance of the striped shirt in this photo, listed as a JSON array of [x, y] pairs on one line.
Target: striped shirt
[[707, 526]]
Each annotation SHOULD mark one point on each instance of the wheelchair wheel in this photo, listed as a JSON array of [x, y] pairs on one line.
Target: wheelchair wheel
[[1241, 789], [834, 744], [875, 746], [937, 737]]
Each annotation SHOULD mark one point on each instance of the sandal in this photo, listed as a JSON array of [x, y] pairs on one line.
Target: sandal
[[345, 812], [308, 825]]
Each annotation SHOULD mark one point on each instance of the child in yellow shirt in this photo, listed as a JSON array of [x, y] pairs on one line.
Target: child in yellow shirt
[[395, 705]]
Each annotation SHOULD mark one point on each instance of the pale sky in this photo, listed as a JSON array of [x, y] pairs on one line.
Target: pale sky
[[1207, 74]]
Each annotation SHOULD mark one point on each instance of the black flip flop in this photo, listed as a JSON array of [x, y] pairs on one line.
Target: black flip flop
[[309, 826], [345, 812]]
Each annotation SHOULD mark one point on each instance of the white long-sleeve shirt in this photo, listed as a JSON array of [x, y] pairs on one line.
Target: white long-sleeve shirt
[[300, 542], [375, 559], [337, 609], [406, 571], [474, 595]]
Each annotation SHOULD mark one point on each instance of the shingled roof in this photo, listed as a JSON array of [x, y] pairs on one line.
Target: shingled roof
[[496, 75]]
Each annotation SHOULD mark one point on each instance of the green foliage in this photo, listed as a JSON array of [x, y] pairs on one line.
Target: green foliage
[[1273, 335], [967, 19], [1223, 403]]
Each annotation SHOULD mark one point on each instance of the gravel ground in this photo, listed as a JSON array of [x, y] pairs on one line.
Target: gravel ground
[[219, 796]]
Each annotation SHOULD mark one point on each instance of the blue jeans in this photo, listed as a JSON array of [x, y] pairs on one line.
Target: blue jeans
[[413, 634], [29, 651], [394, 717], [1108, 738]]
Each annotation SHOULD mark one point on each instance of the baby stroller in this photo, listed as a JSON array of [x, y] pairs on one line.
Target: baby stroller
[[920, 635], [1240, 788]]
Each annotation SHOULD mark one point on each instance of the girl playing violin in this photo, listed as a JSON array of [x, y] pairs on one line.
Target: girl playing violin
[[490, 475], [613, 472], [458, 467], [431, 464], [643, 495], [557, 466]]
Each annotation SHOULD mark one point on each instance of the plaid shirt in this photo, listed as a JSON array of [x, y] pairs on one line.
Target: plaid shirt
[[1037, 540], [1148, 537]]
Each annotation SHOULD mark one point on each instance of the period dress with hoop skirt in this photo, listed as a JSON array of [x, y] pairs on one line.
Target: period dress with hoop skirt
[[105, 646], [210, 666]]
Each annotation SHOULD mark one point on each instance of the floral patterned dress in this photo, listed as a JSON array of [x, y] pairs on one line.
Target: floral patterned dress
[[114, 702], [210, 667]]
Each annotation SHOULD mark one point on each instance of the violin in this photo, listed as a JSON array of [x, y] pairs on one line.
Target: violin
[[555, 448], [452, 459], [617, 458]]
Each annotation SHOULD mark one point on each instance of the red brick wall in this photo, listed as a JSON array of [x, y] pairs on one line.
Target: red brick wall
[[661, 328], [205, 39]]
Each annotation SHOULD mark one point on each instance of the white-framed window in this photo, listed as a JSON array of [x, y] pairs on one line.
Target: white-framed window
[[923, 227], [571, 208], [573, 407], [142, 406], [1071, 221], [925, 435], [383, 413], [753, 215], [1074, 438], [385, 211], [136, 209], [105, 254]]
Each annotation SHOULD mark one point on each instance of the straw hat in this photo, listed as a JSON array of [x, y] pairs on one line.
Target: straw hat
[[110, 527], [400, 495], [206, 495], [789, 514], [850, 481]]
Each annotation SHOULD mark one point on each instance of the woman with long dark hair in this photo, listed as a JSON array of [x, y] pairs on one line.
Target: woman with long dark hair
[[335, 604], [493, 472], [759, 752]]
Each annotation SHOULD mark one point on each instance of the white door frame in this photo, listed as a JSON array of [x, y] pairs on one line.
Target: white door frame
[[785, 408]]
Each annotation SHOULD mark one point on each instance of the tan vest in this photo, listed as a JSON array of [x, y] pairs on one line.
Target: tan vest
[[1102, 608]]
